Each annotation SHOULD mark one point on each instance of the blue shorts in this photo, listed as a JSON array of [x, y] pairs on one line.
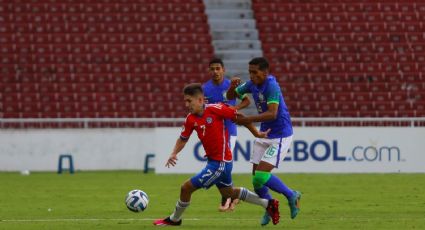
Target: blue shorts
[[217, 173]]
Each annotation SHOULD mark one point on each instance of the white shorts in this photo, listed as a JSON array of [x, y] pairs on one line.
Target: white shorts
[[232, 142], [272, 151]]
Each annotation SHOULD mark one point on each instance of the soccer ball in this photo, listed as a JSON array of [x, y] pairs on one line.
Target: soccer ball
[[136, 200]]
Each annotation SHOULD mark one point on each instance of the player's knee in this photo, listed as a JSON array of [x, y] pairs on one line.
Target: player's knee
[[186, 188], [260, 178], [256, 182]]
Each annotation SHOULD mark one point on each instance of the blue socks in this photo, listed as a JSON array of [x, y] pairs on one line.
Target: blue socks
[[263, 192], [275, 184]]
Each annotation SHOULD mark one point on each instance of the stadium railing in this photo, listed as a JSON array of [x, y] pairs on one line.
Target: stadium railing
[[86, 123]]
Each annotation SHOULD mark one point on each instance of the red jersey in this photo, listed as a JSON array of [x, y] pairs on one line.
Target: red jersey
[[211, 130]]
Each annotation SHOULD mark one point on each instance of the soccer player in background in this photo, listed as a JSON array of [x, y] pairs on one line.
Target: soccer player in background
[[208, 122], [215, 92], [273, 114]]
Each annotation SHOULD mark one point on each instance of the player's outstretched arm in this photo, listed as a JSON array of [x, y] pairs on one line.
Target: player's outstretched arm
[[255, 131], [234, 82], [172, 160], [268, 115], [244, 103], [251, 127]]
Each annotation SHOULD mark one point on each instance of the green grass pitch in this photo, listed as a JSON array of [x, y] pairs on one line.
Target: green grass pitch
[[95, 200]]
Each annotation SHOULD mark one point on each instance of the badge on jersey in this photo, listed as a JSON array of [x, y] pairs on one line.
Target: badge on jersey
[[209, 120], [261, 97]]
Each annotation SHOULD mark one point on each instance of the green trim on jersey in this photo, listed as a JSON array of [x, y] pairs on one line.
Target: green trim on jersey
[[273, 97], [273, 102], [237, 91], [240, 96]]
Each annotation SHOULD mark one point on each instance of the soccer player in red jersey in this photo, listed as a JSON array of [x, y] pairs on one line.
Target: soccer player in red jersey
[[208, 122]]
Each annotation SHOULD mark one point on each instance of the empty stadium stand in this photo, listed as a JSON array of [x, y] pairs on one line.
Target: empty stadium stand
[[97, 59], [346, 58], [130, 59]]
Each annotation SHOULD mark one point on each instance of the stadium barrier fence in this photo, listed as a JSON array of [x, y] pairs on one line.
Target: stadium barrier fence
[[86, 123]]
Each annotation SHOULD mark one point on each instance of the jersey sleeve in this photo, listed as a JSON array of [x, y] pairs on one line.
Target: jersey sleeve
[[223, 110], [187, 129], [243, 89], [273, 94]]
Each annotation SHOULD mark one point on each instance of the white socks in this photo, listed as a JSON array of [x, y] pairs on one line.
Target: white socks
[[252, 198], [180, 207]]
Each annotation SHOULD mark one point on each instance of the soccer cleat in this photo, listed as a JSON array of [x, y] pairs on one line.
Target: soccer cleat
[[166, 221], [273, 210], [294, 204], [266, 219]]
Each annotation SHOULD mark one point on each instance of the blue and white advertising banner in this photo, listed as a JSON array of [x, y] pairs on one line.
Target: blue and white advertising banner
[[314, 149]]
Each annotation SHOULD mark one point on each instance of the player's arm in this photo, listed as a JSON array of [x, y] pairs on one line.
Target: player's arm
[[172, 160], [251, 127], [272, 97], [268, 115], [244, 103], [187, 130], [231, 93]]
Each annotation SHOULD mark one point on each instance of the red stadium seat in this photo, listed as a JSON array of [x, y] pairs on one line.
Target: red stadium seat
[[365, 55]]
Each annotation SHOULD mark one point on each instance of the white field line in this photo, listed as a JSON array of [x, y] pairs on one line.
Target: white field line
[[104, 219]]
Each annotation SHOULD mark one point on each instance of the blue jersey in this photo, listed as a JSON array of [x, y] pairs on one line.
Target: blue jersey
[[217, 93], [269, 92]]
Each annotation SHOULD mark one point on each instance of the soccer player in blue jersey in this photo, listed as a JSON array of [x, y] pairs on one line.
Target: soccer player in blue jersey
[[273, 114], [215, 92]]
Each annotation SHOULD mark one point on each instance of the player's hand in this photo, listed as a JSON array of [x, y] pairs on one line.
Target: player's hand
[[263, 134], [235, 81], [172, 160]]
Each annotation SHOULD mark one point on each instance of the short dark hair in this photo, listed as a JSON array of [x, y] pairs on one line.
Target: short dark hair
[[193, 89], [262, 63], [216, 61]]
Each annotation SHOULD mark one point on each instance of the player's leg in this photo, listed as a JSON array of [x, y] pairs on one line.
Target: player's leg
[[225, 180], [256, 155], [271, 206], [225, 185], [186, 191], [228, 204], [264, 178], [204, 179], [258, 151]]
